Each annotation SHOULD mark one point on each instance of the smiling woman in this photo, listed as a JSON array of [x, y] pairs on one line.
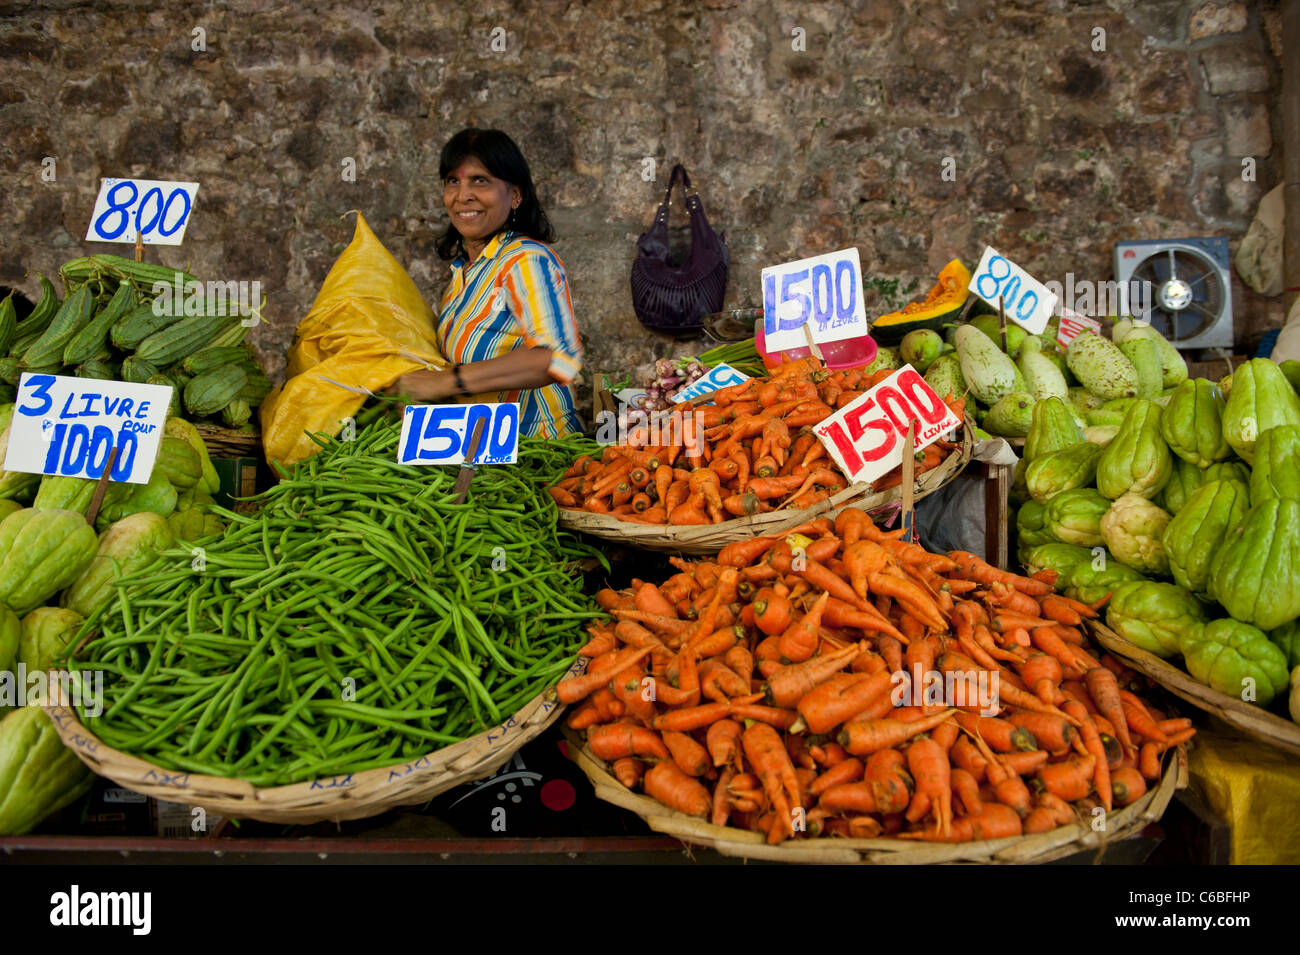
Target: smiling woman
[[506, 318]]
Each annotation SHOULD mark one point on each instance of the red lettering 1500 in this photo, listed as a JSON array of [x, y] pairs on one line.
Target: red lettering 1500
[[907, 399]]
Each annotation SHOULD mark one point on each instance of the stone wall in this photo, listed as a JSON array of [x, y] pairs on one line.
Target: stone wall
[[1066, 127]]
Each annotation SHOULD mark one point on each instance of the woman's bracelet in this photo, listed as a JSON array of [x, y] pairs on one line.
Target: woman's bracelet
[[455, 370]]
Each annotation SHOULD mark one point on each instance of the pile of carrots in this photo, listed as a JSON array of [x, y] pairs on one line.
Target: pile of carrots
[[759, 454], [758, 690]]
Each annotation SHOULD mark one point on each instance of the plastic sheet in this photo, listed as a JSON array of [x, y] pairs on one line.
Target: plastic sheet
[[368, 326], [1256, 789]]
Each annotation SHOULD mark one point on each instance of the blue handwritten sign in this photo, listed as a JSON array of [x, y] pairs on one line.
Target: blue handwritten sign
[[823, 293], [66, 426], [1028, 302], [719, 376], [158, 211], [437, 434]]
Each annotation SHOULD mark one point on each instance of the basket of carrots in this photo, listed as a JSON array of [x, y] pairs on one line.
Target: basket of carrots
[[748, 463], [1255, 721], [822, 697]]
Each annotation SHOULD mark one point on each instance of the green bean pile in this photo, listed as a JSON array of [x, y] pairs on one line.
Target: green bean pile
[[353, 621]]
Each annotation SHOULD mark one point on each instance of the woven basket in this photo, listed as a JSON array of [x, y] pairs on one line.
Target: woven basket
[[330, 798], [1019, 850], [229, 443], [1251, 720], [710, 538]]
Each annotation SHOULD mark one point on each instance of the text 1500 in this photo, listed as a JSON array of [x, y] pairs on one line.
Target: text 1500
[[441, 433], [829, 299]]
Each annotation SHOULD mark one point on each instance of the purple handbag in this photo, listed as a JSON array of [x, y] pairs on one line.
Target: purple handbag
[[673, 297]]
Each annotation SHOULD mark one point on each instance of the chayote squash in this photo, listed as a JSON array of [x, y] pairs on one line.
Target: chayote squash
[[158, 496], [1101, 367], [1052, 428], [38, 774], [8, 507], [1074, 516], [1227, 471], [127, 546], [1237, 659], [1062, 558], [1195, 534], [180, 428], [1192, 423], [1145, 358], [1137, 460], [1154, 616], [186, 525], [1071, 467], [1183, 481], [179, 462], [1287, 639], [11, 631], [1261, 398], [1092, 581], [47, 632], [1277, 464], [1255, 574], [1131, 529], [64, 493], [1173, 368], [41, 552]]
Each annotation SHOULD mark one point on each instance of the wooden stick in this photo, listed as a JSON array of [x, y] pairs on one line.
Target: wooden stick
[[1002, 322], [909, 482], [466, 474], [139, 247], [97, 499], [812, 345]]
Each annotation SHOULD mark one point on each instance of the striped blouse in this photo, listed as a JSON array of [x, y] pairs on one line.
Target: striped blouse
[[515, 295]]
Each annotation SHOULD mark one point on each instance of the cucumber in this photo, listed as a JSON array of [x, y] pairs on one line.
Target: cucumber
[[213, 357], [184, 338], [208, 394], [138, 370], [8, 321], [72, 317], [39, 320], [138, 324], [92, 339]]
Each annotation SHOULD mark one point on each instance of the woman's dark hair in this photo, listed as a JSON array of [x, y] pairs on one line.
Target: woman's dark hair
[[501, 157]]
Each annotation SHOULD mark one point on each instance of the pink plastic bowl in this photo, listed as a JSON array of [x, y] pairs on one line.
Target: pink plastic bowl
[[850, 353]]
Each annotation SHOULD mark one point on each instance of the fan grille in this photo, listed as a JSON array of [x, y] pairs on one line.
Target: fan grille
[[1179, 291]]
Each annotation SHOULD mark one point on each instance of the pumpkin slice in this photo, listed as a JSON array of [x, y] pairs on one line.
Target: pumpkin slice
[[941, 305]]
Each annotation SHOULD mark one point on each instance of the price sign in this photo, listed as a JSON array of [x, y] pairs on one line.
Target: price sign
[[156, 209], [1029, 302], [865, 438], [823, 293], [1073, 325], [719, 376], [66, 426], [436, 434]]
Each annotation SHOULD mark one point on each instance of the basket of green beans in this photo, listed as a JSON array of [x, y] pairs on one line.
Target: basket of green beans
[[360, 641]]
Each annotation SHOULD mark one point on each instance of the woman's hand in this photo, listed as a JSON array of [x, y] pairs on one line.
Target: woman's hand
[[428, 385]]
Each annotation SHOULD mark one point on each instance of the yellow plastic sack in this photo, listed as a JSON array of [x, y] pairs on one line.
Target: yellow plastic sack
[[1256, 789], [368, 326]]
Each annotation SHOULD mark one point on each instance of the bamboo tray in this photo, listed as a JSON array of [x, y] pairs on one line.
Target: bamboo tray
[[1019, 850], [329, 798], [1254, 721], [710, 538]]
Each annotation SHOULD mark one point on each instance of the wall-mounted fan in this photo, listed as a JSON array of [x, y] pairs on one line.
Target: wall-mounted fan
[[1181, 286]]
